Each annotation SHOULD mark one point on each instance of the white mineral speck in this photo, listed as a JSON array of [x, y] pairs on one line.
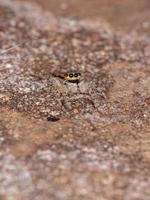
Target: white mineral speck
[[8, 66]]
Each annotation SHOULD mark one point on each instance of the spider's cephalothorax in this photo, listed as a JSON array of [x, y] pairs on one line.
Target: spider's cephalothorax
[[72, 77]]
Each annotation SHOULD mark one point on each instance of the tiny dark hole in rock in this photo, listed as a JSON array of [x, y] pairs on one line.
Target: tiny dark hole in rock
[[52, 119]]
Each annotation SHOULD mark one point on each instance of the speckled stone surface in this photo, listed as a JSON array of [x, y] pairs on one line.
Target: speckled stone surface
[[96, 144]]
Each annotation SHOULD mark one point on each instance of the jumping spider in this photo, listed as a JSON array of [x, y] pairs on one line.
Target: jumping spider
[[71, 78]]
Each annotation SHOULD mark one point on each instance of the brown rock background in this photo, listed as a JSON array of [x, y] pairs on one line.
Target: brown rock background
[[99, 146]]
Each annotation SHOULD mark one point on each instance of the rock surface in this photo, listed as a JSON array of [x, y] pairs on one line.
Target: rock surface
[[96, 144]]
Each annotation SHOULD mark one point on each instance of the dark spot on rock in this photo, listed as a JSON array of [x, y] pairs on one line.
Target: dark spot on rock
[[53, 118]]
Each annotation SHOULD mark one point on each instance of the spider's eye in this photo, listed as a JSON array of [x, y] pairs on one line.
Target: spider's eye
[[70, 75], [65, 75], [75, 74]]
